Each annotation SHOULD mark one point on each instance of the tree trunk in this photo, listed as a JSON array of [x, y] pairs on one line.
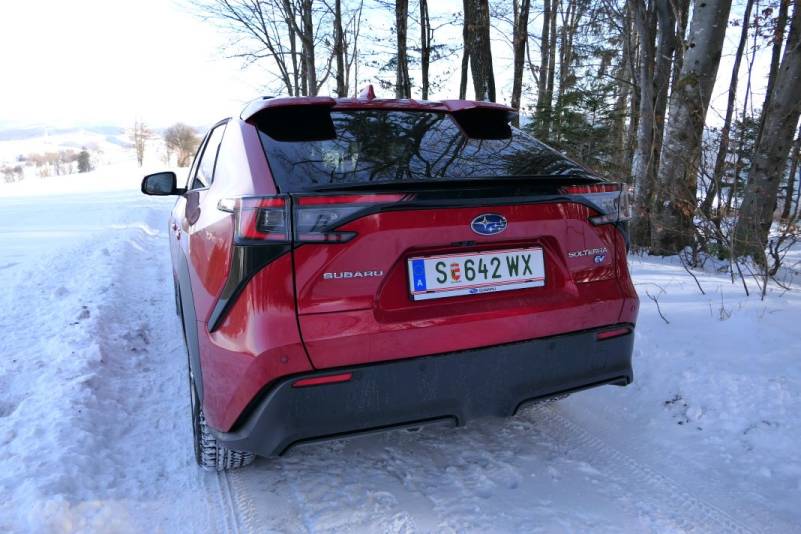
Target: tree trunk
[[631, 50], [467, 47], [426, 36], [623, 90], [542, 80], [548, 109], [725, 131], [570, 23], [655, 65], [682, 16], [519, 38], [289, 15], [787, 209], [776, 53], [477, 33], [645, 23], [339, 49], [770, 158], [677, 181], [403, 87], [307, 38]]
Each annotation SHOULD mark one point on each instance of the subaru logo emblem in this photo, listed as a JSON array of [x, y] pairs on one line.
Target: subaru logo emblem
[[488, 224]]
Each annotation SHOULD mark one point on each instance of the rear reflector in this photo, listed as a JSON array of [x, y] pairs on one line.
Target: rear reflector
[[321, 380], [615, 332]]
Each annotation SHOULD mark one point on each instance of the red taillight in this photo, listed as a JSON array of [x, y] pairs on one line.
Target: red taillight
[[320, 380], [317, 217], [615, 332], [259, 218], [314, 220], [612, 200]]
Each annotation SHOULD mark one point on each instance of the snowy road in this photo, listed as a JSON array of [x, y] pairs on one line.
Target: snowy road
[[94, 417]]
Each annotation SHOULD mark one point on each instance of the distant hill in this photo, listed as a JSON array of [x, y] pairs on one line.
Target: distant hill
[[21, 134]]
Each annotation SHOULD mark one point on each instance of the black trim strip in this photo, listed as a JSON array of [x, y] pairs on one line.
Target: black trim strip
[[246, 261], [189, 318]]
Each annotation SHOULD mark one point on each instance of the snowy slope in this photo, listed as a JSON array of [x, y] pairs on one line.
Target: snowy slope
[[95, 436]]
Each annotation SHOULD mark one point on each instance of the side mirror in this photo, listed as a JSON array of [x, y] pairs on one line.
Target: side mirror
[[161, 184]]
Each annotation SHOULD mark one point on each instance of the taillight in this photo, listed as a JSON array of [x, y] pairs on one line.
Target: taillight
[[259, 218], [315, 219], [613, 201]]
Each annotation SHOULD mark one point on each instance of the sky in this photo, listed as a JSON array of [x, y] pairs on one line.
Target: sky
[[87, 62], [83, 62]]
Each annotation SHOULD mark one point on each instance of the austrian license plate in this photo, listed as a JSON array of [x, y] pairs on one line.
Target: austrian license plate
[[433, 277]]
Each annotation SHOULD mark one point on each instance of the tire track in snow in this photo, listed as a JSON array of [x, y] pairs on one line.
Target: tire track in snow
[[230, 511], [145, 378], [668, 499], [468, 478]]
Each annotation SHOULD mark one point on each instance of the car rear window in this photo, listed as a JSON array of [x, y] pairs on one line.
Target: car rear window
[[322, 148]]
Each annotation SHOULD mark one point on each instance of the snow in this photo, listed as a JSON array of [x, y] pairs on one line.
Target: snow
[[94, 416]]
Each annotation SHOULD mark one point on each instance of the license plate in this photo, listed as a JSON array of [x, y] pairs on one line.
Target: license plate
[[434, 277]]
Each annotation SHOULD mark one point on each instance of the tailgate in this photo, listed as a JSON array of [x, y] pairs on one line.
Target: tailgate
[[357, 305]]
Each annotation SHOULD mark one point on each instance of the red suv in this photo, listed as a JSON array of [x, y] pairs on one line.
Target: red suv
[[349, 265]]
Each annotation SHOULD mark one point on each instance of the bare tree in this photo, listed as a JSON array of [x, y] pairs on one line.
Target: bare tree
[[795, 157], [519, 40], [339, 49], [675, 192], [776, 53], [182, 140], [139, 136], [543, 103], [773, 146], [725, 131], [656, 57], [280, 31], [477, 51], [426, 38], [403, 86]]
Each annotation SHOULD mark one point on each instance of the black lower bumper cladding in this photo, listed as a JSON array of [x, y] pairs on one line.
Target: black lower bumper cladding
[[490, 381]]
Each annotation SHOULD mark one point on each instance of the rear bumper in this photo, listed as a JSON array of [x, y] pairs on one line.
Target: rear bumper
[[490, 381]]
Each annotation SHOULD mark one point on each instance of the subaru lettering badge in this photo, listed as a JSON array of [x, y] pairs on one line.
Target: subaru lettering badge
[[488, 224]]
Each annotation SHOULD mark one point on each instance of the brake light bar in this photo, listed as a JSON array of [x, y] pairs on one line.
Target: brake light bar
[[613, 201], [378, 198]]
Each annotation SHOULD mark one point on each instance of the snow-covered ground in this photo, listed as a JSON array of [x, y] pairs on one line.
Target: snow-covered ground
[[94, 416]]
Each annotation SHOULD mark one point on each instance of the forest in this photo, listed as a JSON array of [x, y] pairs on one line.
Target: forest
[[693, 105]]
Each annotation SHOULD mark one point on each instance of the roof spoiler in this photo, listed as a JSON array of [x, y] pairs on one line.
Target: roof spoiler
[[482, 120], [459, 106], [477, 119], [260, 104]]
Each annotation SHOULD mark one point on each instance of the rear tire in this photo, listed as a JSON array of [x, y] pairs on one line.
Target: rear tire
[[209, 453]]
